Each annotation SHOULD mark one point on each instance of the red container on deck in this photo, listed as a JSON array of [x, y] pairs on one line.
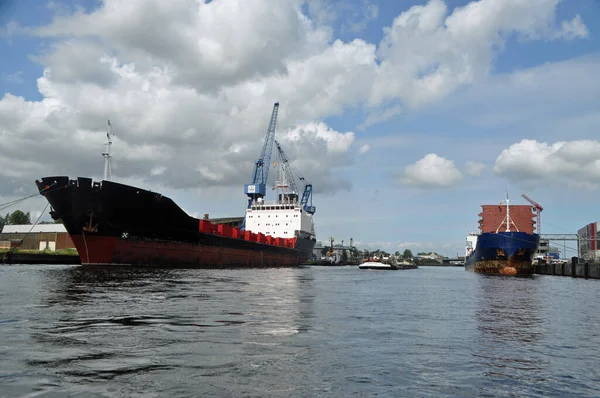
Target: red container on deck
[[236, 233], [206, 227], [261, 238], [225, 230]]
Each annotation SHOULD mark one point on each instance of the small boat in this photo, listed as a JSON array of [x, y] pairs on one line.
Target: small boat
[[386, 263], [406, 265], [376, 265]]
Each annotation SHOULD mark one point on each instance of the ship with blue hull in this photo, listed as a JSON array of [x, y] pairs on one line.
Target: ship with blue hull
[[506, 251]]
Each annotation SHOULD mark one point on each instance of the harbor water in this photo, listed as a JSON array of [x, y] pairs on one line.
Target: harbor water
[[304, 332]]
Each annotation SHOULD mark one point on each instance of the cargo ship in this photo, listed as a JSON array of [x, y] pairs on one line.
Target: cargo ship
[[506, 250], [114, 223]]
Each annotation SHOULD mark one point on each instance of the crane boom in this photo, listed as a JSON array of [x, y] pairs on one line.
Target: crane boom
[[285, 178], [538, 211], [534, 203], [287, 181], [257, 189]]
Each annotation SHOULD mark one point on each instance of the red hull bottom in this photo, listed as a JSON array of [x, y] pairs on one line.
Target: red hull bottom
[[100, 250], [499, 267]]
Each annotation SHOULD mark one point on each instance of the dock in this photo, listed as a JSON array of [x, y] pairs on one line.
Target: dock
[[38, 258], [574, 269]]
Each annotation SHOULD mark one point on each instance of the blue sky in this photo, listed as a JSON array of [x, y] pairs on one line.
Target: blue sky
[[382, 106]]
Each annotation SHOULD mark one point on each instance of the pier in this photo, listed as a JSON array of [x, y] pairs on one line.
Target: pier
[[574, 268]]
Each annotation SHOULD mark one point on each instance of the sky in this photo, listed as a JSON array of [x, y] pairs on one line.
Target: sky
[[406, 116]]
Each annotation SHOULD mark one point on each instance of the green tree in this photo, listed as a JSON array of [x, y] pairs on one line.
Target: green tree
[[17, 217], [3, 221], [407, 254]]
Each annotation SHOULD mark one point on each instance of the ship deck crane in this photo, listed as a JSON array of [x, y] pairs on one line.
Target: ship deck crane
[[538, 210], [286, 179], [257, 189], [110, 136]]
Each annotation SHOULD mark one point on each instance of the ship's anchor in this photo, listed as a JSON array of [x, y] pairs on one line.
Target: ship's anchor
[[89, 227]]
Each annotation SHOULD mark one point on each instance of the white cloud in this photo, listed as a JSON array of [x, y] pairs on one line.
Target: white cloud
[[336, 142], [195, 94], [432, 171], [14, 78], [11, 29], [209, 44], [361, 16], [381, 115], [426, 53], [158, 170], [364, 148], [474, 168], [576, 162], [573, 29]]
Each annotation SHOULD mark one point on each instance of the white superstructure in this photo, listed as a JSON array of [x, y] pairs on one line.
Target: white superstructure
[[288, 216], [280, 219], [471, 243]]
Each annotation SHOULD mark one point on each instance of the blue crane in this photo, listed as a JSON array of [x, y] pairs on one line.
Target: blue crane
[[258, 187], [306, 201]]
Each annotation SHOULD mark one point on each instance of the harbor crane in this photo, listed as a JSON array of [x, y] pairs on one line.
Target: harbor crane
[[538, 210]]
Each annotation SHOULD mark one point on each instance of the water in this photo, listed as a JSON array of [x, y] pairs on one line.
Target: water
[[314, 331]]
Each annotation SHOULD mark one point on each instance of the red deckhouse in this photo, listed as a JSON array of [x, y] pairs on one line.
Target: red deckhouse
[[493, 218]]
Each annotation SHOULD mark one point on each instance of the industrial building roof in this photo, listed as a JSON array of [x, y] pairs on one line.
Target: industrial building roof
[[40, 228]]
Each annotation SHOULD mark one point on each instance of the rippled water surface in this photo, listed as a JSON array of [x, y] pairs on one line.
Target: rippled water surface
[[312, 331]]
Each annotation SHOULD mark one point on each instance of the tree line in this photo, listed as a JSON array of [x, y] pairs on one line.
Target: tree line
[[17, 217], [355, 253]]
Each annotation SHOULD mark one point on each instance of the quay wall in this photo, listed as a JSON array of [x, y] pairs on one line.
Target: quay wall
[[574, 269]]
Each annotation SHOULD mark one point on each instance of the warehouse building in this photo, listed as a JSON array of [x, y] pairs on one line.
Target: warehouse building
[[589, 240], [39, 237]]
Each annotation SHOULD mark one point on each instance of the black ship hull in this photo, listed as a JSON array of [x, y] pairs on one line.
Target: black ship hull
[[112, 223]]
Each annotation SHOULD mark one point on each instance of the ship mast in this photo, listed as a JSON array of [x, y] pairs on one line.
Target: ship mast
[[507, 211], [507, 217], [106, 154]]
